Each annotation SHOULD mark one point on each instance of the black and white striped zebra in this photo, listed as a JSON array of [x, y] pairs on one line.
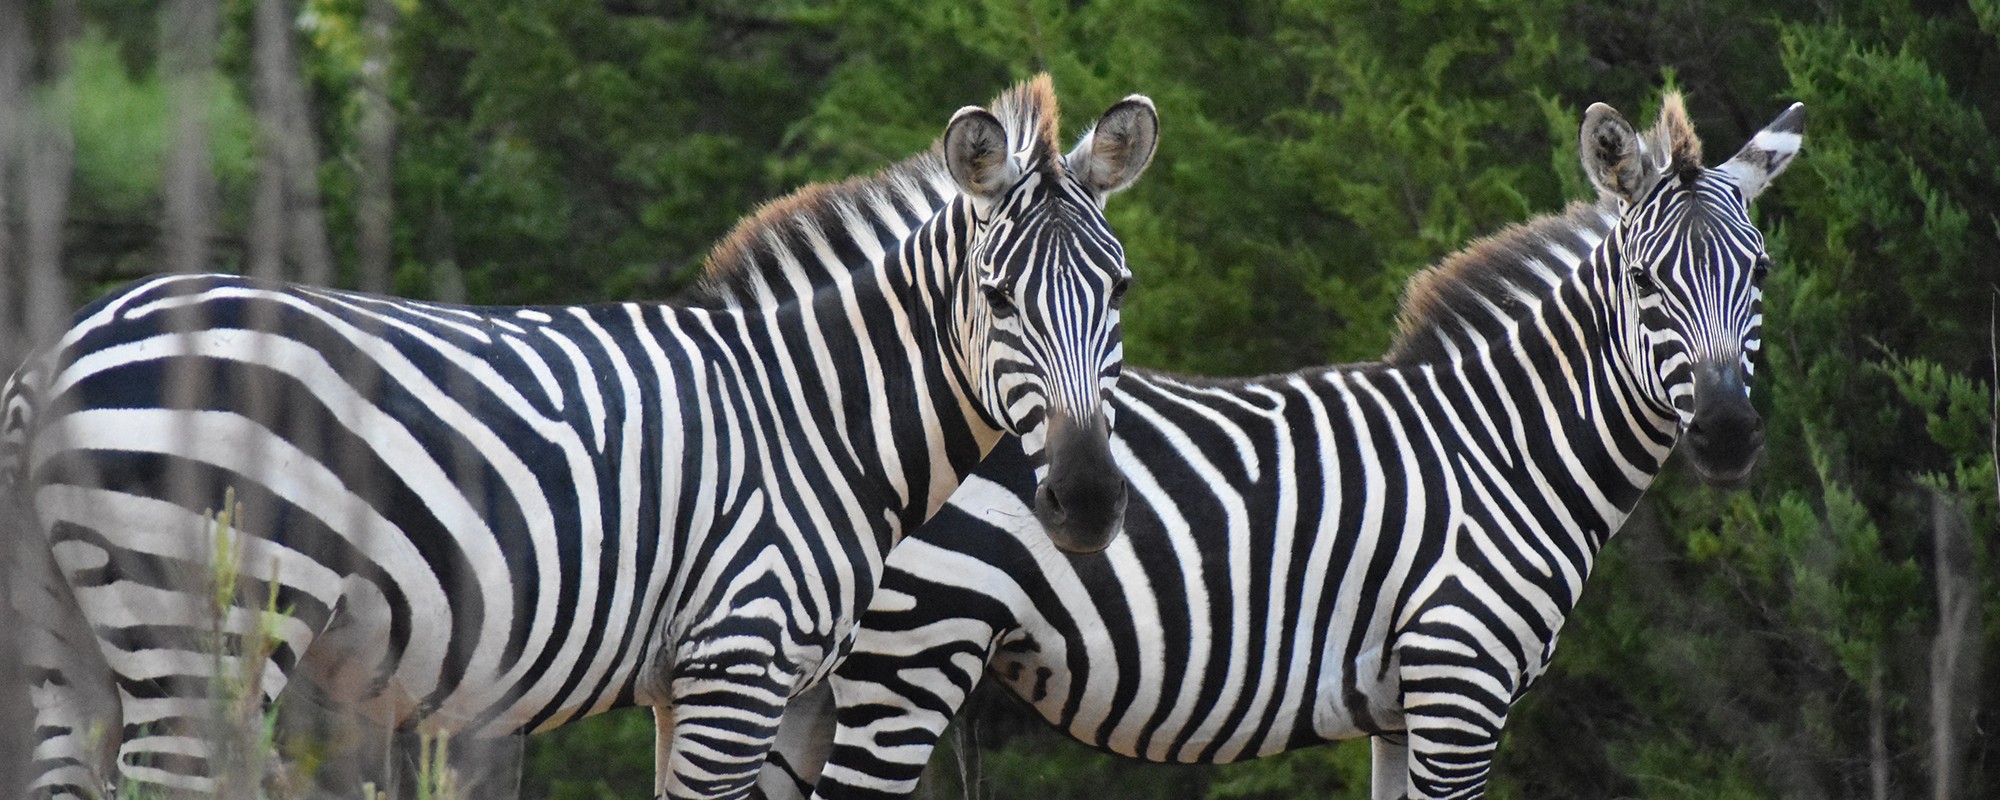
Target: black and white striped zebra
[[1384, 550], [494, 520]]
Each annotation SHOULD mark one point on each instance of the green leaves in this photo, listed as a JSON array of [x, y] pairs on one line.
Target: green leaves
[[1314, 154], [120, 123]]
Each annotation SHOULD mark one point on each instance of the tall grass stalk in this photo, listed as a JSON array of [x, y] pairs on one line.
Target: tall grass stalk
[[241, 729], [241, 724]]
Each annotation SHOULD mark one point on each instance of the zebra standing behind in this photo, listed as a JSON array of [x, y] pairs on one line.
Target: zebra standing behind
[[494, 520], [1384, 550]]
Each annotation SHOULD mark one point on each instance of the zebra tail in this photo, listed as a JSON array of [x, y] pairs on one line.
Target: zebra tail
[[19, 400]]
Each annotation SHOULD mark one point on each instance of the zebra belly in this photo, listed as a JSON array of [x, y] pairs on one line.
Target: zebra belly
[[755, 605], [1363, 699], [352, 665]]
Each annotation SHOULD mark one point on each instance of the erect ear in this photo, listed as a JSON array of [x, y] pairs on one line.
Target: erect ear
[[1113, 153], [1767, 154], [1614, 156], [975, 150]]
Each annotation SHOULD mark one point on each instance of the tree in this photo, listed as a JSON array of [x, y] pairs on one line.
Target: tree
[[1819, 633]]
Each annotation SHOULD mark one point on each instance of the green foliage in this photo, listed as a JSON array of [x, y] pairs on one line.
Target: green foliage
[[1338, 772], [1669, 770], [1039, 766], [1732, 644], [121, 129], [121, 126], [602, 758]]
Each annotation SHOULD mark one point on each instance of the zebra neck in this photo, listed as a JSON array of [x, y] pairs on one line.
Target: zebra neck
[[1546, 364], [1592, 427], [898, 392]]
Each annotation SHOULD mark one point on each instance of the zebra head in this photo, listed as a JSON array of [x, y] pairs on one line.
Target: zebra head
[[1038, 303], [1688, 259]]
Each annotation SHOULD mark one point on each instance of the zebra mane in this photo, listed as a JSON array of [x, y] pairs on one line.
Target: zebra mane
[[762, 251], [1029, 113], [1672, 139], [1498, 271], [750, 262]]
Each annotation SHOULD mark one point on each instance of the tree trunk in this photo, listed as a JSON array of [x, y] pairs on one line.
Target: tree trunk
[[375, 207], [36, 157], [1955, 653], [286, 220], [266, 245], [187, 61], [440, 253], [17, 714], [48, 161], [14, 55], [1878, 734]]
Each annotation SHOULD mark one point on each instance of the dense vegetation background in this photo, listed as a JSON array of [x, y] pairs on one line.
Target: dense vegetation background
[[1818, 634]]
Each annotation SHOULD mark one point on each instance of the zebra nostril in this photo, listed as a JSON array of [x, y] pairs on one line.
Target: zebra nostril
[[1697, 432], [1048, 503]]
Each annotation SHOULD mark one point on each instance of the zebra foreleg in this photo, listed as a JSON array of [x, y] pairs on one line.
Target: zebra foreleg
[[894, 698], [805, 740], [663, 747], [1454, 707], [717, 733], [886, 733], [1388, 767]]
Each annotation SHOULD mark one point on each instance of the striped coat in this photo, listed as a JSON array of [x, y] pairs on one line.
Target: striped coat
[[1385, 550], [492, 520]]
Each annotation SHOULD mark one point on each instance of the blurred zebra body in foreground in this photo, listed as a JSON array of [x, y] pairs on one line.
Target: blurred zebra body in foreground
[[496, 520], [1384, 550]]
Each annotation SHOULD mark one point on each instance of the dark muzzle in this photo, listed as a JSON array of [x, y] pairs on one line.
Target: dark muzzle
[[1081, 503], [1726, 436]]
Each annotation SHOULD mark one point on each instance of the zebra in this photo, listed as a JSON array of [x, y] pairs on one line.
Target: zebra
[[1384, 549], [491, 520]]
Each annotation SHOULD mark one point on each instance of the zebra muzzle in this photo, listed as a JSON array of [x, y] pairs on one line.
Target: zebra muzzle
[[1081, 502], [1725, 437]]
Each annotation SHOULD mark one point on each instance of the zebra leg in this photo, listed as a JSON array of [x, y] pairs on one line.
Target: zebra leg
[[882, 740], [805, 741], [196, 655], [892, 707], [76, 717], [1389, 767], [1455, 699], [723, 722], [912, 667], [192, 720], [69, 685], [1448, 760], [663, 747]]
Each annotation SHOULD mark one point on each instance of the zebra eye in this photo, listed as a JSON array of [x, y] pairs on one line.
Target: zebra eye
[[1118, 292], [1759, 271], [997, 299], [1643, 281]]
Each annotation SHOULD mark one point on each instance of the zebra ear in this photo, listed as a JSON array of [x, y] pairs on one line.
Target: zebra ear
[[1113, 153], [1767, 154], [1614, 156], [975, 150]]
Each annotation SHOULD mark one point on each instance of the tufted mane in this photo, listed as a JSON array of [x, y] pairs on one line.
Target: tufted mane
[[1498, 270], [1672, 135], [914, 187], [1029, 113], [732, 269]]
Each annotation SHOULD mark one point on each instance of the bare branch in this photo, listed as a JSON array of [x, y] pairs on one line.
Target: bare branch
[[187, 61], [286, 218], [375, 207]]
